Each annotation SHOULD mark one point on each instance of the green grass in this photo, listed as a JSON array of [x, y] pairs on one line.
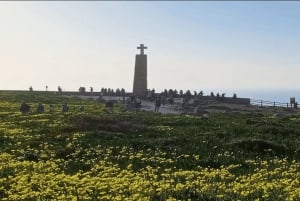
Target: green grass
[[242, 136], [74, 137]]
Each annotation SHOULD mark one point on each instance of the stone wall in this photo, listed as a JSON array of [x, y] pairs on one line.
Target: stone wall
[[242, 101]]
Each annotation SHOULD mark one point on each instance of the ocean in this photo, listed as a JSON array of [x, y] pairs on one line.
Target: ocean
[[277, 95]]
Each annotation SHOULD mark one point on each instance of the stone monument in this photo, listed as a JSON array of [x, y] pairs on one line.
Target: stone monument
[[140, 73]]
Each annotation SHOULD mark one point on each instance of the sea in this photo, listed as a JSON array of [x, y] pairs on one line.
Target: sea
[[272, 95]]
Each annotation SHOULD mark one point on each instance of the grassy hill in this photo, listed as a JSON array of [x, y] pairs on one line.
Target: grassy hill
[[98, 155]]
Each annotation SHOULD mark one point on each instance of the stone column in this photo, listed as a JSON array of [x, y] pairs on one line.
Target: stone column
[[140, 73]]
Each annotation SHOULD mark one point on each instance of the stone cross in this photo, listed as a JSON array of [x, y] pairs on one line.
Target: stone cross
[[140, 73], [142, 47]]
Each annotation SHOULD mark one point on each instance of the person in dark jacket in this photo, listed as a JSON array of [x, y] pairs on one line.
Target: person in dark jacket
[[25, 108], [157, 103]]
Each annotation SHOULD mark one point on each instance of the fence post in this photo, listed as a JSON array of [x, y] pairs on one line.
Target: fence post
[[287, 105], [274, 103], [260, 103]]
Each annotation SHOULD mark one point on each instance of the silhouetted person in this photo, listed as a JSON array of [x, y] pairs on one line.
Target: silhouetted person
[[65, 107], [157, 103], [59, 89], [201, 93], [81, 108], [40, 108], [25, 108], [132, 98], [51, 108], [109, 105], [171, 100], [138, 103], [223, 97]]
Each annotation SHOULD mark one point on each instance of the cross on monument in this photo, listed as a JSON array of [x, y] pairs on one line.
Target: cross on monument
[[142, 47], [140, 73]]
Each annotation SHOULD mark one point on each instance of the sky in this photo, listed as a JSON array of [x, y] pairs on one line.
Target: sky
[[196, 45]]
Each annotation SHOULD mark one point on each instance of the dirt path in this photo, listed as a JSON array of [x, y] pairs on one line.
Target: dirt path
[[146, 105], [164, 109]]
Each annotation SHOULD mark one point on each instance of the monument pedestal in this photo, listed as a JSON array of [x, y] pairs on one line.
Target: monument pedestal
[[140, 74]]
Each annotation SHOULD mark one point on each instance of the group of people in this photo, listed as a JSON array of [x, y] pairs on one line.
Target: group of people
[[112, 92], [135, 102], [25, 108], [157, 100]]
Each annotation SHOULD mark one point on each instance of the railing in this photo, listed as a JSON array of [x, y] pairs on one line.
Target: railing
[[263, 103]]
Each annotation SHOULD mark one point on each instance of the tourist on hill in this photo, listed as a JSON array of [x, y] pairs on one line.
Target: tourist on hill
[[65, 107], [138, 103], [51, 108], [157, 103], [200, 93], [295, 105], [171, 100], [152, 95], [109, 105], [81, 108], [40, 108], [25, 108], [223, 97], [132, 98]]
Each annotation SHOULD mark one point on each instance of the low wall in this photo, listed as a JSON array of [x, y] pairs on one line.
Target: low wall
[[241, 101]]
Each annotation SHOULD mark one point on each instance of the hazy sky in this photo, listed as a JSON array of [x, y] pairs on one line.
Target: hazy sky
[[191, 45]]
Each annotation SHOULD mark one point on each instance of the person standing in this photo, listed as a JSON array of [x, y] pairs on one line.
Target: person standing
[[65, 107], [25, 108], [157, 103], [40, 108], [138, 103], [51, 108]]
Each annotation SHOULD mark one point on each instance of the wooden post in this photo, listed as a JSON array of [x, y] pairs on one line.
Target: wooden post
[[260, 103], [274, 103]]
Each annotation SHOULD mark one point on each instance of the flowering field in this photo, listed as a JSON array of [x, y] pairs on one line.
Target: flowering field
[[96, 155]]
